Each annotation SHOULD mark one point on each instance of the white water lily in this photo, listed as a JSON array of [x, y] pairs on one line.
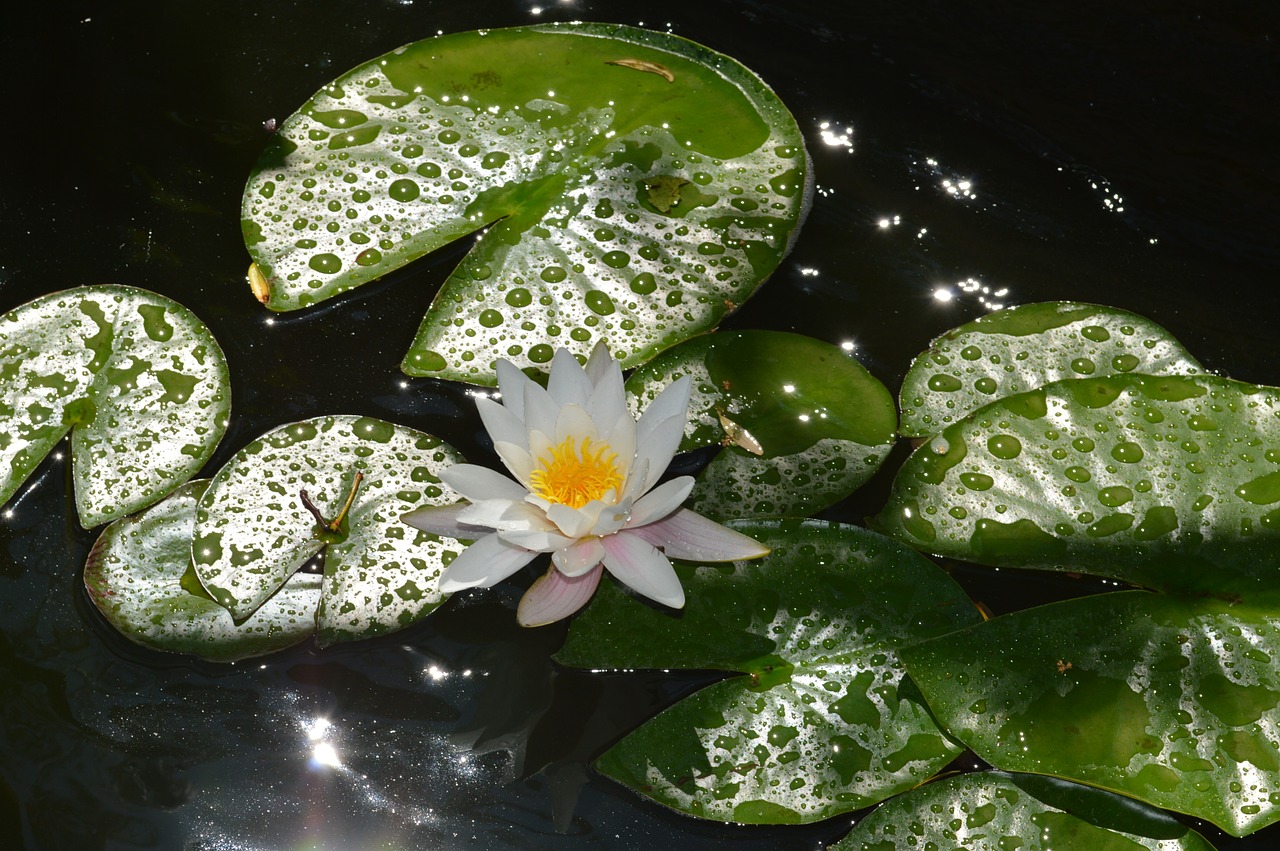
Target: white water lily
[[584, 490]]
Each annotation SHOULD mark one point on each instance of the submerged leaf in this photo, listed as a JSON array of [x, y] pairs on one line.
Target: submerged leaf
[[994, 811], [803, 424], [1168, 482], [1174, 702], [253, 529], [139, 575], [634, 208], [822, 722], [1021, 348], [136, 377]]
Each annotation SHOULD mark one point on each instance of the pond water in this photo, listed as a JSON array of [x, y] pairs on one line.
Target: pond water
[[1114, 153]]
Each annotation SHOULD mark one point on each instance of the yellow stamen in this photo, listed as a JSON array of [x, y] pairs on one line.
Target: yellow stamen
[[574, 477]]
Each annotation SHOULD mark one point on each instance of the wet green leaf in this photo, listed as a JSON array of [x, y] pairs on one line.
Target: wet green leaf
[[1168, 482], [820, 723], [1175, 702], [136, 378], [994, 811], [1025, 347], [253, 530], [804, 424], [140, 577], [617, 202]]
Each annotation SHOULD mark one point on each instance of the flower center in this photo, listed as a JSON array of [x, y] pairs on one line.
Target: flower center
[[574, 476]]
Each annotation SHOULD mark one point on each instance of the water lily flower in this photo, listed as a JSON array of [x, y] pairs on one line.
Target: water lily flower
[[584, 490]]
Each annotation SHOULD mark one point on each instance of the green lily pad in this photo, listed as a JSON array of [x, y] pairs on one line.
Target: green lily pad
[[820, 723], [253, 530], [994, 811], [1025, 347], [1174, 702], [139, 575], [1167, 482], [804, 425], [633, 187], [135, 377]]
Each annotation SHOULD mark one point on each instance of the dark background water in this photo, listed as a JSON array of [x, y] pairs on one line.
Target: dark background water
[[1116, 153]]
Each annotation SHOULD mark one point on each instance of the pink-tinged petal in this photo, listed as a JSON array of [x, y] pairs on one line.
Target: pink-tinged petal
[[658, 447], [441, 520], [511, 382], [503, 426], [486, 562], [577, 559], [554, 596], [639, 566], [477, 483], [688, 535], [536, 540], [568, 384], [661, 501], [673, 401]]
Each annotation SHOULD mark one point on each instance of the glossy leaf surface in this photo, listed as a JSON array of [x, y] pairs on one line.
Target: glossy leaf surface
[[818, 723], [803, 423], [253, 530], [633, 187], [1175, 702], [1025, 347], [136, 377], [140, 577], [1167, 482], [994, 811]]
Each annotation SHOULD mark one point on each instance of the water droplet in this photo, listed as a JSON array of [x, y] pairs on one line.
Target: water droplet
[[1264, 490], [977, 481], [1114, 497], [1096, 333], [616, 259], [985, 385], [326, 264], [1127, 452], [1082, 444], [427, 360], [403, 190], [599, 302], [553, 274], [971, 353], [1079, 475], [490, 318], [541, 353], [1125, 362], [944, 383], [1083, 366], [369, 257], [1004, 446]]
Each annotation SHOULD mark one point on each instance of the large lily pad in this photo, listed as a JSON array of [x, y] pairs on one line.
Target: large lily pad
[[803, 424], [139, 575], [136, 377], [820, 723], [253, 529], [1167, 482], [994, 811], [635, 187], [1025, 347], [1174, 702]]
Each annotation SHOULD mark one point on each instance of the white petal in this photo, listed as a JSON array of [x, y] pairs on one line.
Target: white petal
[[658, 447], [537, 540], [660, 501], [577, 559], [574, 423], [441, 520], [568, 384], [511, 382], [673, 401], [574, 522], [554, 596], [486, 562], [688, 535], [503, 425], [506, 515], [601, 363], [642, 568], [540, 410], [477, 483], [636, 481], [608, 400], [621, 436], [517, 459]]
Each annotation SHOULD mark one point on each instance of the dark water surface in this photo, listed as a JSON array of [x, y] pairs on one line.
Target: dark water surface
[[996, 154]]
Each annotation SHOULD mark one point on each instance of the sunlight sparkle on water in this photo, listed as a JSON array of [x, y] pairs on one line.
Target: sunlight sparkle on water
[[836, 137]]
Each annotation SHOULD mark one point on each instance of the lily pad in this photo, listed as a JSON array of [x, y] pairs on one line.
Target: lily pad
[[631, 186], [1167, 482], [254, 530], [135, 377], [1025, 347], [1174, 702], [139, 575], [820, 722], [803, 424], [994, 811]]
